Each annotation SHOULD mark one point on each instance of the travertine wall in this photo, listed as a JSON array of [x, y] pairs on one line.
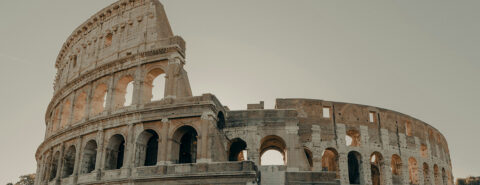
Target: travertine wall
[[94, 137]]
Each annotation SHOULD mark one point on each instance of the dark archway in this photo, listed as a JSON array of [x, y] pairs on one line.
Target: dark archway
[[237, 150], [221, 120], [89, 157], [54, 166], [185, 145], [115, 152], [69, 162], [354, 167], [147, 148]]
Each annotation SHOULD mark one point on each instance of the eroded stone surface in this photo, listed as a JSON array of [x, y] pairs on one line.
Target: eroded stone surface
[[94, 136]]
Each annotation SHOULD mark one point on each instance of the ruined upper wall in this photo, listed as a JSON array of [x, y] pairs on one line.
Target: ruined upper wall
[[124, 28]]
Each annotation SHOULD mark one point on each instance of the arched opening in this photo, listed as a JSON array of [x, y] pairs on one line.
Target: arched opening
[[444, 177], [69, 162], [309, 156], [65, 114], [79, 107], [221, 120], [354, 167], [55, 119], [54, 166], [89, 157], [396, 166], [108, 39], [184, 146], [436, 175], [154, 85], [376, 166], [238, 150], [352, 138], [413, 170], [330, 160], [115, 152], [123, 92], [99, 99], [426, 174], [273, 151], [423, 150], [146, 148]]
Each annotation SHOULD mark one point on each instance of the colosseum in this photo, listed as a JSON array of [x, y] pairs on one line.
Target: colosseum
[[123, 113]]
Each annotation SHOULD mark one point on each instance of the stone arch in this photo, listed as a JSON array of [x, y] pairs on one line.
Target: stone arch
[[79, 106], [184, 146], [276, 143], [376, 166], [436, 174], [444, 177], [309, 156], [221, 120], [426, 174], [330, 161], [115, 152], [54, 166], [355, 170], [146, 148], [69, 161], [396, 166], [237, 150], [89, 157], [99, 99], [352, 138], [151, 84], [120, 92], [65, 114], [423, 151], [413, 170]]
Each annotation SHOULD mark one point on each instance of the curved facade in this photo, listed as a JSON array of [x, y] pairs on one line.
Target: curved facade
[[123, 113]]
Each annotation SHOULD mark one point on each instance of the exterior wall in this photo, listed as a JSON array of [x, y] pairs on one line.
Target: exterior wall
[[132, 40]]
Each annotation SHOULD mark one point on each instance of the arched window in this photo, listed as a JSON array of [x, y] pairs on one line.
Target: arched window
[[69, 162], [354, 167], [376, 166], [309, 156], [238, 150], [55, 120], [115, 152], [89, 157], [99, 99], [108, 39], [330, 160], [436, 174], [146, 148], [396, 166], [273, 151], [413, 170], [154, 85], [352, 138], [79, 107], [54, 166], [444, 177], [184, 149], [65, 114], [426, 174], [123, 92]]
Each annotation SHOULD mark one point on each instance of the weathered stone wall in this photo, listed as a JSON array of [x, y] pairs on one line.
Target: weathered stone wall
[[94, 137]]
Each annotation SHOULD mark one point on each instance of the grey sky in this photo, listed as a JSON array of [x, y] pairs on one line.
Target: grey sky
[[420, 58]]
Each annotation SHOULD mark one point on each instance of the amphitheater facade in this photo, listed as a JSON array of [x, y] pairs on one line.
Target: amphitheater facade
[[99, 132]]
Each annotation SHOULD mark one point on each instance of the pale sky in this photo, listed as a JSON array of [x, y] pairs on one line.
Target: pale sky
[[421, 58]]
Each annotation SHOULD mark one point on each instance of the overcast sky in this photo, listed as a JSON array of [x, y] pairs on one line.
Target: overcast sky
[[421, 58]]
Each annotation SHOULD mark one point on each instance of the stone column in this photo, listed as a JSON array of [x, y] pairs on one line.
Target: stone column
[[342, 154], [386, 170], [316, 148], [137, 86], [203, 150], [293, 148], [60, 163], [99, 164], [130, 148], [77, 159], [110, 91], [164, 149]]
